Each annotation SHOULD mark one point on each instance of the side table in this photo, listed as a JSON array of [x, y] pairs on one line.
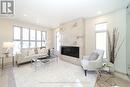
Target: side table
[[2, 61], [108, 66]]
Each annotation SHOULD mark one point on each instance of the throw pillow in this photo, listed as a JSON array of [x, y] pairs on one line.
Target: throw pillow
[[31, 52], [93, 56], [35, 50]]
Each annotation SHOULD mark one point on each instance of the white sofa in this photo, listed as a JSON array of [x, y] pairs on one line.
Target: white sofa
[[93, 64], [27, 54]]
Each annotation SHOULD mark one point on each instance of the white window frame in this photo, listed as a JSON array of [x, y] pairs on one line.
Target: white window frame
[[21, 40]]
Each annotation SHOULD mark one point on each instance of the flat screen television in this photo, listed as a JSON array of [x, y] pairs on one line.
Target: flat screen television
[[72, 51]]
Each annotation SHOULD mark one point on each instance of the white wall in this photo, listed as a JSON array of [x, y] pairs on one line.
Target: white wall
[[5, 31], [116, 19], [128, 40]]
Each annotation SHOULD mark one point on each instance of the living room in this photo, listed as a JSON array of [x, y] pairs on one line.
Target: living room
[[61, 43]]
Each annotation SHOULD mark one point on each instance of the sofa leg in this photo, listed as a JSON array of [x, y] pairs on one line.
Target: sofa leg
[[85, 71], [17, 64]]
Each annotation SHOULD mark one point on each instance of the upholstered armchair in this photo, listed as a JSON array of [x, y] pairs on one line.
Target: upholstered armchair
[[93, 61]]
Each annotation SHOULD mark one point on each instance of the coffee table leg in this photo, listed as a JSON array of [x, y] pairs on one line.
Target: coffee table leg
[[13, 60]]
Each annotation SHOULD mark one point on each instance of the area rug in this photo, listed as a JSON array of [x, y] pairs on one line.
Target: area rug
[[105, 80], [53, 75]]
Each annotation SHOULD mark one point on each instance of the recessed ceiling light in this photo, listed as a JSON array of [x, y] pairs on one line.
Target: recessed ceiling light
[[99, 12], [25, 15]]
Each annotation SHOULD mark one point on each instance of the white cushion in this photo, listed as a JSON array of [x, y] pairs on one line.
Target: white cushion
[[25, 52], [43, 51], [31, 52], [93, 56]]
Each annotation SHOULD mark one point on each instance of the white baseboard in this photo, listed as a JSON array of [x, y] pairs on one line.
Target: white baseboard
[[122, 76]]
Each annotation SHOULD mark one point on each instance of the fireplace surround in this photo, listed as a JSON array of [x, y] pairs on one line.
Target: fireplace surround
[[72, 37]]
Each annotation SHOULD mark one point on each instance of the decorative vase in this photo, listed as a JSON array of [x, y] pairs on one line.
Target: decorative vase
[[112, 67]]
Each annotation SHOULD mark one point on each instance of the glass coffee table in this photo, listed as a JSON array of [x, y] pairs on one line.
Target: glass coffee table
[[38, 61]]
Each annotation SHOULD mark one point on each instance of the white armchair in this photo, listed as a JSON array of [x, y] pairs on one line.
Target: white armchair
[[90, 63]]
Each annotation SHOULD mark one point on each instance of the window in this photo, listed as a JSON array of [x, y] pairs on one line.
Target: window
[[39, 35], [25, 44], [32, 35], [58, 38], [27, 38], [25, 34], [43, 38], [39, 38], [32, 44], [101, 36], [38, 44], [17, 32], [17, 47]]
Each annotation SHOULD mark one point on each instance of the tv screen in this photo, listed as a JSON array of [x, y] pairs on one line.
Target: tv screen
[[70, 51]]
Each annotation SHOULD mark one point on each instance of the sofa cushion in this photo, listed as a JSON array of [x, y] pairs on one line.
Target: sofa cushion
[[43, 51], [93, 56], [31, 52], [25, 52], [36, 50]]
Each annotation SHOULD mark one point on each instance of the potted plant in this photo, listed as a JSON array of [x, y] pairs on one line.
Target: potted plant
[[114, 45]]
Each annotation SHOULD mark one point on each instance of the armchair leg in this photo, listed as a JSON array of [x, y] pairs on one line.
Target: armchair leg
[[85, 71]]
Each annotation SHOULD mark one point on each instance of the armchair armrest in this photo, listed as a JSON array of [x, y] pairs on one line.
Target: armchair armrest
[[90, 65]]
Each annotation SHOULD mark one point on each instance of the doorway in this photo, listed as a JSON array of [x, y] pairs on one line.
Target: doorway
[[58, 41]]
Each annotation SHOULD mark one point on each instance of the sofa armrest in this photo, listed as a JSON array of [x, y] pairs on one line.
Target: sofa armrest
[[17, 56]]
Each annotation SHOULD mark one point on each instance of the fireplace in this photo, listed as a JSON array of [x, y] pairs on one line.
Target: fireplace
[[72, 51]]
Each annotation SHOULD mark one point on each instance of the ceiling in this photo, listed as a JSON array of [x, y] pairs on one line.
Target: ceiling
[[54, 12]]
